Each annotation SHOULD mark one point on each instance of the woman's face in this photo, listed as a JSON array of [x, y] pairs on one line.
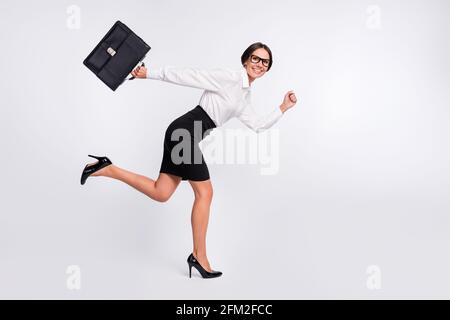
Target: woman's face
[[256, 70]]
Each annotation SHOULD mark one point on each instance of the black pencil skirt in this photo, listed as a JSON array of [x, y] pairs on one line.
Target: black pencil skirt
[[182, 156]]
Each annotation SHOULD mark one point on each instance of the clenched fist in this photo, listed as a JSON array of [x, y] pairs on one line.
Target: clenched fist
[[289, 101], [139, 72]]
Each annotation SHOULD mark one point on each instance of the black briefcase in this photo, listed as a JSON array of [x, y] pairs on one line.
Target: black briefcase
[[113, 59]]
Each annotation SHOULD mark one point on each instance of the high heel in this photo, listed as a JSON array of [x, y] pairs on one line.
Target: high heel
[[90, 169], [193, 262]]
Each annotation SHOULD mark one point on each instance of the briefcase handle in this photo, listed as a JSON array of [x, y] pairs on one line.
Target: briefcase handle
[[132, 77]]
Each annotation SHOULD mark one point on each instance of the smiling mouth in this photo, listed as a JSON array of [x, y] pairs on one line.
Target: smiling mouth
[[257, 70]]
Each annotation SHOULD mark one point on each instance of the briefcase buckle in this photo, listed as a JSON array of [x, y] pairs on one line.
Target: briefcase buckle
[[111, 51]]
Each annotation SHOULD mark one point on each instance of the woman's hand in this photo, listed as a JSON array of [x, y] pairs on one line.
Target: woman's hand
[[139, 72], [289, 101]]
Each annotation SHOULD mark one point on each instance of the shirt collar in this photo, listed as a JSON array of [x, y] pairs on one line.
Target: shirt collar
[[245, 81]]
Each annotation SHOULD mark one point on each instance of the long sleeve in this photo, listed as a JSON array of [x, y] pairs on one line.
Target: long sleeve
[[256, 122], [212, 79]]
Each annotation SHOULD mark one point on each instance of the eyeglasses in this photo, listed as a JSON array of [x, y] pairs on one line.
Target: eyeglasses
[[255, 59]]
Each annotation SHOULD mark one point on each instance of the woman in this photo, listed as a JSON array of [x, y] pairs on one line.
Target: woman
[[227, 95]]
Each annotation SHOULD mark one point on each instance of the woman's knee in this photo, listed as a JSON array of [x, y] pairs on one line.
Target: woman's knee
[[203, 190], [164, 194], [166, 185], [206, 194], [163, 197]]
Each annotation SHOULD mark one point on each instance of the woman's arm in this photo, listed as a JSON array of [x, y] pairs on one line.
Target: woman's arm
[[212, 79], [258, 123]]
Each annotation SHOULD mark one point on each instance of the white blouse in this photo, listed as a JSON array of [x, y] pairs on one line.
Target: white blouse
[[227, 94]]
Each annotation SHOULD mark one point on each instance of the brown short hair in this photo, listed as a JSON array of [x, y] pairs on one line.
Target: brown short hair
[[252, 48]]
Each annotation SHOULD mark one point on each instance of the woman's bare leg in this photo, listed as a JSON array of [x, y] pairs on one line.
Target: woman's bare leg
[[200, 216], [159, 190]]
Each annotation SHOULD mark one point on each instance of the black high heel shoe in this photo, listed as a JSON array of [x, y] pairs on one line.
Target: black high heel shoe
[[192, 262], [90, 169]]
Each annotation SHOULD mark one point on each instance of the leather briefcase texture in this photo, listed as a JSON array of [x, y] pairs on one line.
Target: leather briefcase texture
[[116, 55]]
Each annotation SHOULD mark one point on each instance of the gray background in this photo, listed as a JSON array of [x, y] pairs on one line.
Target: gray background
[[363, 178]]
